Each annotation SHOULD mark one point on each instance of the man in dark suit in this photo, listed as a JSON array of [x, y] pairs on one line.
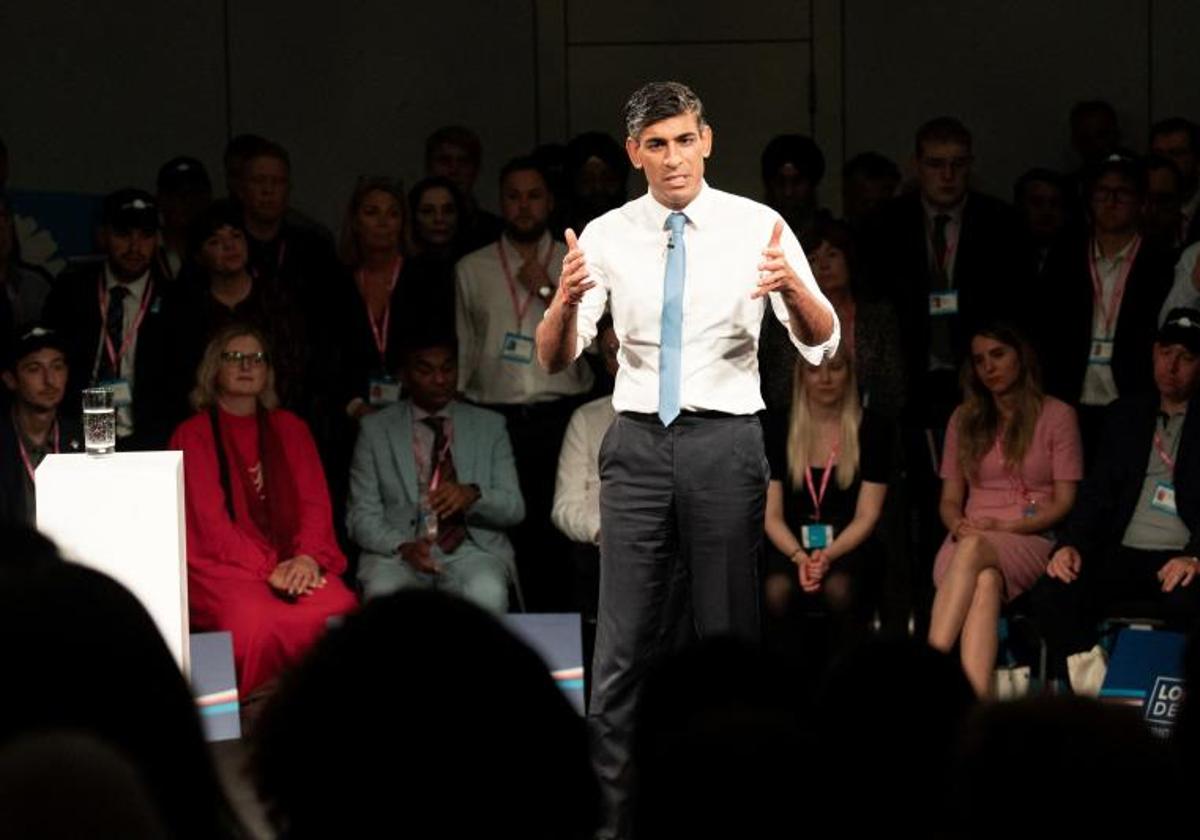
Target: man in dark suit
[[1101, 302], [1134, 534], [110, 316], [1178, 140], [35, 376]]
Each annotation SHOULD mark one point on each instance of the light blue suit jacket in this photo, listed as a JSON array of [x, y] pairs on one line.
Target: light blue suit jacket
[[384, 498]]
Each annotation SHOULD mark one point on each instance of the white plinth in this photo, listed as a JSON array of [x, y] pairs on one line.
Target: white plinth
[[122, 514]]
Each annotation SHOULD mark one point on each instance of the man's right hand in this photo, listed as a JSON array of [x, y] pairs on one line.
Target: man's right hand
[[573, 281], [1065, 565], [417, 554]]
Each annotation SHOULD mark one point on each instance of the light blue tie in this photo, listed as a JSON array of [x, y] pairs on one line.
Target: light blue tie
[[671, 341]]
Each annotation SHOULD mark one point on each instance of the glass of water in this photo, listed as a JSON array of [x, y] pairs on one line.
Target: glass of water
[[99, 421]]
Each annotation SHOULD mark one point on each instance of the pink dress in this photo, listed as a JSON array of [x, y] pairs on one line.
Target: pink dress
[[1054, 455]]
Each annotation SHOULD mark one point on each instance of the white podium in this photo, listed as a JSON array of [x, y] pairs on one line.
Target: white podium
[[122, 514]]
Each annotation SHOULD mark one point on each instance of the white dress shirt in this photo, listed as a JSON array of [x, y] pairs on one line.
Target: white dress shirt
[[576, 510], [1183, 290], [485, 316], [626, 253], [131, 306], [1099, 387]]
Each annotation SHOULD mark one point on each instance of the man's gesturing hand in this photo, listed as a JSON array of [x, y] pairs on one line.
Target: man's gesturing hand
[[574, 279]]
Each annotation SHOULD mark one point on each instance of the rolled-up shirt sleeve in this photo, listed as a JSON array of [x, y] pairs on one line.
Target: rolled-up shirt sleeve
[[814, 354]]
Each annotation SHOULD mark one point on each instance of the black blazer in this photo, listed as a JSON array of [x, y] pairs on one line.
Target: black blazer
[[1110, 492], [73, 309], [991, 273], [1065, 336], [13, 510]]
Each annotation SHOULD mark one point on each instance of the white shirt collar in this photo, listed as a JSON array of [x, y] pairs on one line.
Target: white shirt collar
[[136, 287], [698, 210], [1098, 255]]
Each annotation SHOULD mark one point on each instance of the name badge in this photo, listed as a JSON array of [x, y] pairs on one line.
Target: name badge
[[943, 303], [1163, 499], [1101, 352], [383, 391], [816, 536], [517, 348], [122, 391]]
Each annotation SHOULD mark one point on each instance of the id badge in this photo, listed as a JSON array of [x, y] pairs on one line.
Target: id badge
[[122, 392], [943, 303], [383, 391], [1101, 352], [816, 536], [1163, 499], [517, 348]]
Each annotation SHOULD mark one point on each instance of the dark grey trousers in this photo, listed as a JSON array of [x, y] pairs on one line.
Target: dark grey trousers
[[682, 503]]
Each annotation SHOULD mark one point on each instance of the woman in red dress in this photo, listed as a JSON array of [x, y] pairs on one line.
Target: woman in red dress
[[263, 562]]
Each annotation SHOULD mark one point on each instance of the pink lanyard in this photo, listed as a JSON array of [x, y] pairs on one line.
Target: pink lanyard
[[519, 310], [1163, 455], [114, 355], [818, 498], [380, 331], [25, 455], [435, 477], [1109, 311]]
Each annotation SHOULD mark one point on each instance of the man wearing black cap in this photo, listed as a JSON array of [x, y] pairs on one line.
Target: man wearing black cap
[[35, 374], [1134, 534], [110, 316], [184, 191]]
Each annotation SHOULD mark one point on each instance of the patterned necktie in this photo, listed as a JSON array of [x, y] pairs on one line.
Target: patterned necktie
[[671, 342], [114, 326], [452, 530], [940, 250]]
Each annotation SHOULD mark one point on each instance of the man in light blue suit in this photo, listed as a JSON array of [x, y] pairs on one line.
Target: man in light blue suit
[[432, 486]]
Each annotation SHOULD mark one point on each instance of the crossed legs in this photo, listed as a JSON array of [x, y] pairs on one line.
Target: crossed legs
[[967, 607]]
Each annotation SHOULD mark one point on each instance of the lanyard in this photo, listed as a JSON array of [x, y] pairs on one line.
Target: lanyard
[[519, 310], [1109, 312], [435, 477], [25, 454], [115, 355], [1163, 455], [818, 498], [380, 331]]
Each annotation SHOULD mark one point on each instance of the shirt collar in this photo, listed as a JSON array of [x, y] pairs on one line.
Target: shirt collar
[[698, 211], [955, 213], [1115, 258], [136, 287], [420, 413], [511, 249]]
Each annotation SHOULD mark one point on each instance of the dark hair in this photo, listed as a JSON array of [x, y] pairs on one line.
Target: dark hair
[[872, 166], [238, 151], [1131, 169], [840, 236], [1092, 106], [1176, 125], [1038, 175], [454, 135], [942, 130], [596, 144], [657, 101], [268, 148], [435, 182], [1152, 162], [219, 214], [798, 150], [525, 762], [524, 163]]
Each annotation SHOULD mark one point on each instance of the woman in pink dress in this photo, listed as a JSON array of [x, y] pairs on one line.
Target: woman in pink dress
[[1013, 455]]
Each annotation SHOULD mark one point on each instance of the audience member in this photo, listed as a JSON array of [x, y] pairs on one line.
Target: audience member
[[111, 316], [91, 662], [869, 181], [427, 283], [1042, 202], [1100, 311], [432, 486], [35, 374], [455, 153], [503, 291], [262, 559], [1162, 219], [184, 192], [1010, 467], [1134, 537], [1095, 132], [1185, 287], [412, 751], [238, 152], [1178, 139], [823, 529], [597, 177], [25, 286]]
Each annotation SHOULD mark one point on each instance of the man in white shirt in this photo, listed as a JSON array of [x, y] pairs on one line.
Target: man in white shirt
[[502, 291], [687, 270]]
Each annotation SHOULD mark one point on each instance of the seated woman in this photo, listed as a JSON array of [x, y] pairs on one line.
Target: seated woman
[[262, 559], [1019, 453], [829, 471]]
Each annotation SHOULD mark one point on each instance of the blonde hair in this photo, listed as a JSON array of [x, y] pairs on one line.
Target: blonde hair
[[802, 429], [204, 395], [979, 419]]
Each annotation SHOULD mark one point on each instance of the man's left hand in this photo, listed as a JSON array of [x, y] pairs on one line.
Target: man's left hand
[[451, 497], [775, 273], [1178, 571]]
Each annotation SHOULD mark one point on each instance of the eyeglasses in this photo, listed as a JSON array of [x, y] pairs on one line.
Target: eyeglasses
[[237, 357], [1121, 195]]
